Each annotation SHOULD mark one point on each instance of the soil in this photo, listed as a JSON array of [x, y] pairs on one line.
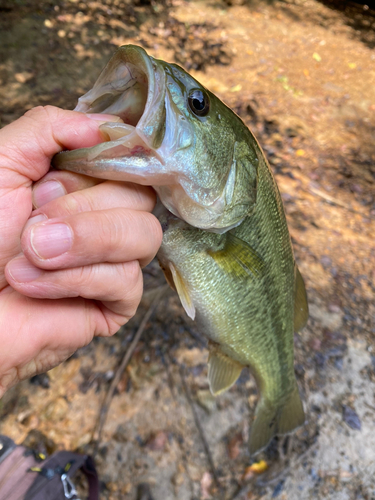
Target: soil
[[301, 74]]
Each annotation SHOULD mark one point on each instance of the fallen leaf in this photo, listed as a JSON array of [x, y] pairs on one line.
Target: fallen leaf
[[206, 483], [259, 467], [157, 441], [255, 468], [352, 65], [23, 77], [234, 446], [236, 88], [300, 152], [317, 57], [306, 72]]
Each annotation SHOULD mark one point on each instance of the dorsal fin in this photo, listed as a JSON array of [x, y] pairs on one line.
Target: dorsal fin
[[238, 258], [223, 371], [301, 308]]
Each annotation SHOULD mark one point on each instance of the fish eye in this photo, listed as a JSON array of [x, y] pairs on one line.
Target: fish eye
[[199, 102]]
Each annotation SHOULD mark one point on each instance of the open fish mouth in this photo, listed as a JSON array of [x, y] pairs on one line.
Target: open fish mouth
[[132, 87]]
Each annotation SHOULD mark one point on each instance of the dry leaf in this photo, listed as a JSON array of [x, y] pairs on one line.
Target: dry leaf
[[206, 483], [23, 77], [236, 88], [317, 57], [255, 468]]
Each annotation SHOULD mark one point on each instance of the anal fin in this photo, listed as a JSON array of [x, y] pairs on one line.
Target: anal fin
[[223, 371]]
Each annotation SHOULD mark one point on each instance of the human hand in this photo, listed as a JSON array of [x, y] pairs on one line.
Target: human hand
[[83, 246]]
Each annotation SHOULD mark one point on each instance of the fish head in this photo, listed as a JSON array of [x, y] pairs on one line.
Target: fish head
[[175, 135]]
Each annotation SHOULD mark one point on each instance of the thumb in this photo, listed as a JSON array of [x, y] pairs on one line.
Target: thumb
[[28, 144]]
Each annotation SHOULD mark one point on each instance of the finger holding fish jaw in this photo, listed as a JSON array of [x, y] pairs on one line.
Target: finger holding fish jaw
[[87, 238], [87, 193]]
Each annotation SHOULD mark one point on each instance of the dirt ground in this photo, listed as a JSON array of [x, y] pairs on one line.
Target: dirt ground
[[301, 74]]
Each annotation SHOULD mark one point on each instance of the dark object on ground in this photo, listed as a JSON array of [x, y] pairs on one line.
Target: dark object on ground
[[42, 380], [351, 417], [29, 475], [144, 492]]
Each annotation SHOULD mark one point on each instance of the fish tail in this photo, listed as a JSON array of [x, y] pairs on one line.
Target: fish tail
[[271, 420]]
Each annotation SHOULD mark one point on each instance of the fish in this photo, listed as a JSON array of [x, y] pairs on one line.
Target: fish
[[226, 247]]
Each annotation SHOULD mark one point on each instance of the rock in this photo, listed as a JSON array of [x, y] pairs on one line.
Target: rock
[[330, 320], [351, 418]]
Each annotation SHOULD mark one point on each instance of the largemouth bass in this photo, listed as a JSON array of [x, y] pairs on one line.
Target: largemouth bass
[[226, 247]]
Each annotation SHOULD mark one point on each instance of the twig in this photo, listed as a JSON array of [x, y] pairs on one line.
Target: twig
[[97, 435], [334, 201], [200, 429], [167, 362]]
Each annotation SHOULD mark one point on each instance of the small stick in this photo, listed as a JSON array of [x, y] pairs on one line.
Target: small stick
[[124, 363], [200, 429], [334, 201], [167, 362]]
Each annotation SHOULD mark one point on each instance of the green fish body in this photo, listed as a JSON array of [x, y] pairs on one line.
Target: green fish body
[[226, 247]]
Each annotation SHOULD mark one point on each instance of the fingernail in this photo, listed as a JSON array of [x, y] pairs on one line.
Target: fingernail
[[34, 220], [104, 118], [47, 191], [23, 271], [51, 240]]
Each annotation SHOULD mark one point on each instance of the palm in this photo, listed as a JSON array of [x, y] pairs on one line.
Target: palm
[[28, 346]]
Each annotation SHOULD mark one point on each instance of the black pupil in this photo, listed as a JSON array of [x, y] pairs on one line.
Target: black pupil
[[198, 102]]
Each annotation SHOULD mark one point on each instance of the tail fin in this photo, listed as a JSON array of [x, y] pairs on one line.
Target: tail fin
[[271, 420]]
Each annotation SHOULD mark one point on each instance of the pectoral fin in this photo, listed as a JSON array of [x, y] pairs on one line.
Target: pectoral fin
[[301, 308], [238, 258], [222, 371], [183, 292]]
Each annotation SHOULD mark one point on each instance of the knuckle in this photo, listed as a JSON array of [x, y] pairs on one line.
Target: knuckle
[[40, 111], [74, 203], [132, 272], [35, 112], [80, 278], [110, 230], [154, 231], [133, 286]]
